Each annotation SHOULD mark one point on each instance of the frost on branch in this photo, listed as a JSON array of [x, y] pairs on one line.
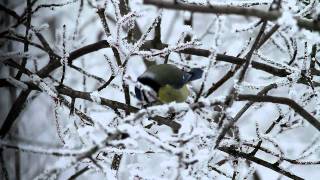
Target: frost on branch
[[17, 84], [40, 28], [95, 97], [253, 114], [44, 86], [7, 55]]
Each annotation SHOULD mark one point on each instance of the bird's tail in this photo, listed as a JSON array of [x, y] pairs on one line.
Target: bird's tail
[[138, 93], [196, 73]]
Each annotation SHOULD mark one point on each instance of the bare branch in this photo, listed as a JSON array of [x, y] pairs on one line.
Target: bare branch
[[232, 10]]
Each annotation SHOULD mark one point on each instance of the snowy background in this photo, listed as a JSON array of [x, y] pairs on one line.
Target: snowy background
[[47, 141]]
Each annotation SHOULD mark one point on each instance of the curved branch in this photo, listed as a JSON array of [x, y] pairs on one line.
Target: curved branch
[[116, 105], [282, 100], [9, 12], [225, 58], [74, 55], [233, 152], [14, 112]]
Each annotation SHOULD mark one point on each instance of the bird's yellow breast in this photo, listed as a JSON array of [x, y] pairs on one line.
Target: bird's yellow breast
[[169, 94]]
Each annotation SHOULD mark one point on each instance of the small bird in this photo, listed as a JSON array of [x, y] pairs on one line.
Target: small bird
[[168, 82]]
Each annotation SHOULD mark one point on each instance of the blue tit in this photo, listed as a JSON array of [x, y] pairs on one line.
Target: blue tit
[[168, 81]]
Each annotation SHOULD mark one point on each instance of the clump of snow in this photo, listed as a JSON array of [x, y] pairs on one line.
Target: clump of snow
[[186, 15], [40, 28], [64, 59], [287, 19], [96, 97]]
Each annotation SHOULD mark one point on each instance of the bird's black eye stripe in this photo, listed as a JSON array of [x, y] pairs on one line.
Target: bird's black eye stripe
[[149, 82]]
